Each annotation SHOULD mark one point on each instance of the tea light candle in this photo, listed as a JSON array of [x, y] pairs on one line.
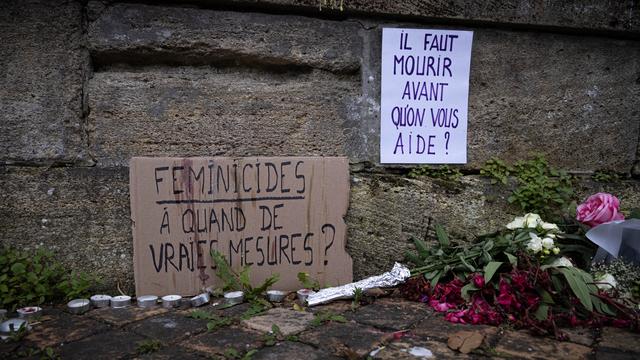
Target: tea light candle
[[120, 301], [29, 312], [276, 295], [147, 301], [200, 300], [171, 301], [234, 297], [79, 306], [303, 294], [100, 301]]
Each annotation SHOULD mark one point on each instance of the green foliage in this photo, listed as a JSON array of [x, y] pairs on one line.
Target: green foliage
[[215, 321], [540, 188], [605, 176], [446, 260], [326, 316], [358, 293], [308, 282], [28, 278], [497, 170], [258, 306], [443, 172], [234, 281], [148, 346]]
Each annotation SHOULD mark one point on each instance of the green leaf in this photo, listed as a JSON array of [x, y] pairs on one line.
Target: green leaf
[[423, 250], [578, 287], [18, 268], [490, 269], [512, 259], [546, 297], [435, 279], [488, 245], [469, 266], [465, 290], [443, 238], [542, 312]]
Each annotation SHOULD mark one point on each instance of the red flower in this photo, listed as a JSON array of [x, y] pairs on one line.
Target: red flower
[[478, 281]]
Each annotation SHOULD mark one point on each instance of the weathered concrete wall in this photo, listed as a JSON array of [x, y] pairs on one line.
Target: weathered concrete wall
[[42, 66], [99, 82]]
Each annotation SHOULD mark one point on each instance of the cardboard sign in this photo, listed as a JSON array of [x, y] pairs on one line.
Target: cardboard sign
[[279, 215], [424, 96]]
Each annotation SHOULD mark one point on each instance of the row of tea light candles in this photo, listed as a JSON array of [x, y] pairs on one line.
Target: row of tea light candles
[[80, 306]]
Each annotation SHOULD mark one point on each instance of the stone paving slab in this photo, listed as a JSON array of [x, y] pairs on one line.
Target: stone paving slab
[[217, 342], [124, 316], [415, 348], [289, 321], [110, 345], [435, 327], [173, 352], [292, 350], [520, 344], [169, 328], [618, 344], [390, 314], [345, 339], [63, 328]]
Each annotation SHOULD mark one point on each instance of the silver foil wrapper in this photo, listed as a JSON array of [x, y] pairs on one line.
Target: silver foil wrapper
[[396, 276]]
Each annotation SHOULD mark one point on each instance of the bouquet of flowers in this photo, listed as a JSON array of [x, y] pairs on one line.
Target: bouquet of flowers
[[519, 275]]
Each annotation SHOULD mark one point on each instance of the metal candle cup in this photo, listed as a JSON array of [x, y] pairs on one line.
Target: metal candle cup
[[200, 300], [303, 294], [79, 306], [29, 312], [276, 295], [100, 301], [234, 297], [120, 301], [147, 301], [171, 301], [13, 325]]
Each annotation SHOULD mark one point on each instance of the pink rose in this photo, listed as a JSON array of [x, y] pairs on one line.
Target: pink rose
[[598, 209]]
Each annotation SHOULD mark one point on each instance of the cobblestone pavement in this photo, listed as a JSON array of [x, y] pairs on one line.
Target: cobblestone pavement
[[388, 328]]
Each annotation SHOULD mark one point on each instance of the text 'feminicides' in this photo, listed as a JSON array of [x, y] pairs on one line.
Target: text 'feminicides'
[[424, 95]]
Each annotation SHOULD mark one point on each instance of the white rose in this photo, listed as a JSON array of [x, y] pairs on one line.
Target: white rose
[[561, 262], [549, 226], [535, 244], [517, 223], [606, 282], [547, 243], [532, 220]]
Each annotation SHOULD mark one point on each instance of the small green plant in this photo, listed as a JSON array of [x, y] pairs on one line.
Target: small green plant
[[271, 338], [240, 281], [443, 172], [605, 176], [357, 298], [148, 346], [215, 321], [540, 188], [28, 278], [326, 316], [497, 170], [258, 306], [308, 282]]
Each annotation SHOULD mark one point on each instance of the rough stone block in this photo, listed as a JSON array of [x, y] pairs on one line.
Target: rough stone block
[[573, 15], [343, 339], [217, 342], [202, 36], [108, 345], [169, 328], [289, 321], [81, 214], [520, 344], [391, 314], [42, 67], [386, 211], [211, 112], [291, 350]]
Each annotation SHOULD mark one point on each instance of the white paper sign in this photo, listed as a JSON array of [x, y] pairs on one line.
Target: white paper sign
[[425, 93]]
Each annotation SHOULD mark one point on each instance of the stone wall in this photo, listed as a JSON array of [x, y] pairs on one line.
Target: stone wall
[[87, 85]]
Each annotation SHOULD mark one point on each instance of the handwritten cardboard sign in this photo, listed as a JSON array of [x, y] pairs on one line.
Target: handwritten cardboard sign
[[424, 96], [277, 214]]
